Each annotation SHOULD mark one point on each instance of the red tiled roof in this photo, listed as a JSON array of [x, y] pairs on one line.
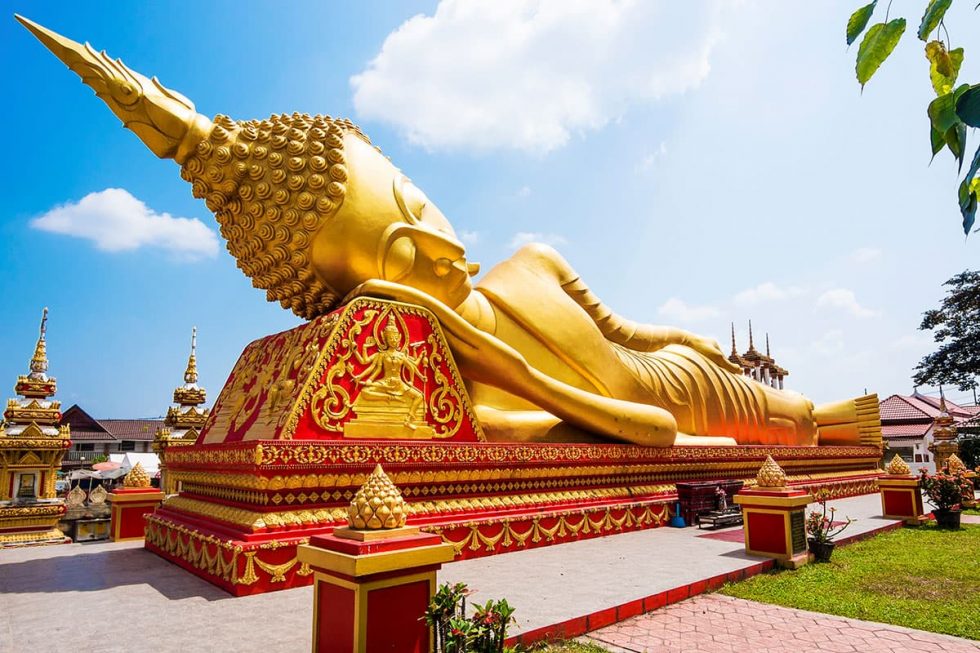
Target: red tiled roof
[[132, 429], [904, 430], [919, 408], [85, 435]]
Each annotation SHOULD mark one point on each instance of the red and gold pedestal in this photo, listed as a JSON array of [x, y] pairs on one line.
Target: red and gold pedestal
[[371, 588], [774, 524], [901, 498], [129, 505]]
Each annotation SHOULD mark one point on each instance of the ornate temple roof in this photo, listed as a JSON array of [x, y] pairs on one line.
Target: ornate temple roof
[[904, 416]]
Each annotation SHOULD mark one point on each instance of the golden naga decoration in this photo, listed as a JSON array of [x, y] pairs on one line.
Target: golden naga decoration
[[898, 467], [137, 477], [770, 475], [955, 465], [377, 505], [316, 215]]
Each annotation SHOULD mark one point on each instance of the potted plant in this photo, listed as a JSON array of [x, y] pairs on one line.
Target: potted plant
[[944, 491], [821, 529]]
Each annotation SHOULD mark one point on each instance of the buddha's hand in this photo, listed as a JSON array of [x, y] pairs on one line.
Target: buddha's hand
[[710, 349]]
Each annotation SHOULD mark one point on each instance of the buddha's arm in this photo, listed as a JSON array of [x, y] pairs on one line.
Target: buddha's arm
[[485, 359], [615, 328]]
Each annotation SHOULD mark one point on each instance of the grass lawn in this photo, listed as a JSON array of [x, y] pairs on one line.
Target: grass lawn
[[570, 647], [921, 578]]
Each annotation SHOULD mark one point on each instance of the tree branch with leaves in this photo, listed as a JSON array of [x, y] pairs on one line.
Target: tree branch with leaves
[[955, 107]]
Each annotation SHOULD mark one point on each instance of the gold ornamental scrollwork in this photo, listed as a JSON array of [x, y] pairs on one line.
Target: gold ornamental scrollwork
[[332, 403]]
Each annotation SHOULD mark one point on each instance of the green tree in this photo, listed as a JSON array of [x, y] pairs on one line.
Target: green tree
[[956, 329], [955, 107]]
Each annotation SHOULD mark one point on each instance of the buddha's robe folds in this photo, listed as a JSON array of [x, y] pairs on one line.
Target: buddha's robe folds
[[540, 311]]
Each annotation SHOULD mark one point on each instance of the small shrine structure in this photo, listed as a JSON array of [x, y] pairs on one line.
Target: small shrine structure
[[756, 365], [184, 420], [32, 443]]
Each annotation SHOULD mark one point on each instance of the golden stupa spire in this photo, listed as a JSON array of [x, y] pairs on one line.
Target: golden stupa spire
[[39, 362], [190, 374], [163, 119]]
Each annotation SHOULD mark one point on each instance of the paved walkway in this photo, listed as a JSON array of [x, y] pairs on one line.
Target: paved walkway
[[724, 624], [562, 583], [75, 596]]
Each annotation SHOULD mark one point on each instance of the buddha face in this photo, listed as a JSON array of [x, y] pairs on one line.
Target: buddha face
[[388, 229]]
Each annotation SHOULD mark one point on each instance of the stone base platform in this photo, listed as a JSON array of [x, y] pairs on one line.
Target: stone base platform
[[245, 506]]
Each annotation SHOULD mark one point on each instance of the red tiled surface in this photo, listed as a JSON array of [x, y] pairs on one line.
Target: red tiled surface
[[721, 624]]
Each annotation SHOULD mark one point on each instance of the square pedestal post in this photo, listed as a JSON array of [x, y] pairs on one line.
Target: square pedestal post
[[774, 524], [901, 498], [128, 507], [371, 589]]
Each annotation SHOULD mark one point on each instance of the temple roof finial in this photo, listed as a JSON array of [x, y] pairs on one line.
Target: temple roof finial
[[751, 342], [39, 362], [768, 355], [190, 374], [942, 400], [734, 350]]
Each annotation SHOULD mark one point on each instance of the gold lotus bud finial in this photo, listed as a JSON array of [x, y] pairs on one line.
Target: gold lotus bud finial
[[955, 464], [137, 477], [163, 119], [770, 474], [377, 505], [190, 374], [898, 467], [39, 362]]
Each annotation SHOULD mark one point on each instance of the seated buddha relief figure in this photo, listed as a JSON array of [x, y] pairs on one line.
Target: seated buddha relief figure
[[316, 215]]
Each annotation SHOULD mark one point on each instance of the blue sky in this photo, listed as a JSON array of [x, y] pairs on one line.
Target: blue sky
[[698, 163]]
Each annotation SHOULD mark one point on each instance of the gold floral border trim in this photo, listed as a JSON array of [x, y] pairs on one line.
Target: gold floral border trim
[[510, 533], [54, 536], [166, 536]]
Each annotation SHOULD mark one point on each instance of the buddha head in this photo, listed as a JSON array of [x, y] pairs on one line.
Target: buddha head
[[309, 208]]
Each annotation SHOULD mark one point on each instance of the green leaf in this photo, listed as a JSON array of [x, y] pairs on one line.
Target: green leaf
[[968, 202], [935, 11], [937, 140], [858, 21], [956, 141], [968, 106], [877, 44], [942, 110], [944, 67]]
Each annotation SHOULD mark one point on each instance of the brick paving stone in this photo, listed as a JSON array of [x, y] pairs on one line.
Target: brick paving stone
[[715, 624]]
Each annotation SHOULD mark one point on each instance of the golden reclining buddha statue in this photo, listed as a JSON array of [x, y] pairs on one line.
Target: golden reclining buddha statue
[[316, 215]]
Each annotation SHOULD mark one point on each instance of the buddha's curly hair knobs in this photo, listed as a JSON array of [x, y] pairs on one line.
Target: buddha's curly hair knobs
[[271, 184]]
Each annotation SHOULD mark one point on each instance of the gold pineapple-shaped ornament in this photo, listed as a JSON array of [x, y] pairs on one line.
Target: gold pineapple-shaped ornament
[[898, 467], [377, 505], [955, 465], [137, 477], [770, 475]]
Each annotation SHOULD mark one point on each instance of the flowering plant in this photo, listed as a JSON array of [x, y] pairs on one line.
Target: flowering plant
[[820, 525], [483, 632], [945, 490]]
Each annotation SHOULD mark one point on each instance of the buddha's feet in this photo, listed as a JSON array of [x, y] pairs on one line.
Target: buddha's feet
[[850, 422]]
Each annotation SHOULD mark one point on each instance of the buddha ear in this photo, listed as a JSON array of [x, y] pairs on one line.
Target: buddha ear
[[399, 258]]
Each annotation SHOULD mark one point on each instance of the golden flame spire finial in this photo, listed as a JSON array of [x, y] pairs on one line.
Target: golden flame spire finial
[[190, 374], [163, 119], [734, 350], [39, 362], [377, 505], [770, 474], [955, 464], [137, 477], [898, 467]]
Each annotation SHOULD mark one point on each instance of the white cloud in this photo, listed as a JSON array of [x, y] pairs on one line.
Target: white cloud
[[524, 191], [651, 159], [522, 238], [766, 292], [677, 309], [469, 237], [843, 299], [866, 254], [527, 74], [116, 221], [829, 344]]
